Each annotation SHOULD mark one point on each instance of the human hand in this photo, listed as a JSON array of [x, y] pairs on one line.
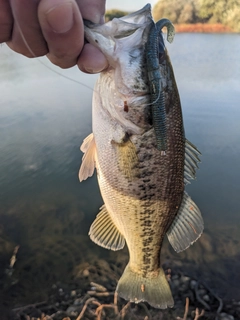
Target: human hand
[[53, 28]]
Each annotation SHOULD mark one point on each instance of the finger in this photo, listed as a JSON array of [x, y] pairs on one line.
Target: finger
[[62, 27], [92, 10], [92, 60], [6, 21], [27, 37]]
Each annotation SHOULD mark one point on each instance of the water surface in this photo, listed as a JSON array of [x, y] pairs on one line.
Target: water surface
[[44, 208]]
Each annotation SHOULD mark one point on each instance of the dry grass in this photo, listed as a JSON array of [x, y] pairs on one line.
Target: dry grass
[[197, 314]]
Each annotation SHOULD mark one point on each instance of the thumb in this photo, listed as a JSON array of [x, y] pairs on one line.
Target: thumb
[[62, 27]]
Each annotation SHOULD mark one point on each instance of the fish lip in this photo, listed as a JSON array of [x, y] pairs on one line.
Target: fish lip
[[89, 24], [147, 8], [106, 36]]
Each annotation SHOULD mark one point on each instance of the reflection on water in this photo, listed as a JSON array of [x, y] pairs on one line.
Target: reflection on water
[[44, 208]]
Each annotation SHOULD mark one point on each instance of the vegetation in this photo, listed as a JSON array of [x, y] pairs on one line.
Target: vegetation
[[114, 13], [226, 12], [178, 11], [195, 15]]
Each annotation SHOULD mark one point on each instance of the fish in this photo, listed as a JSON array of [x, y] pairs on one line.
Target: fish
[[142, 186]]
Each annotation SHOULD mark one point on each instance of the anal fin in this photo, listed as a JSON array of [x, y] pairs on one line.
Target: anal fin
[[104, 232], [187, 227]]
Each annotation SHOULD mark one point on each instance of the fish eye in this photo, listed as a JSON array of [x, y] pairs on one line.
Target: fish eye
[[96, 40]]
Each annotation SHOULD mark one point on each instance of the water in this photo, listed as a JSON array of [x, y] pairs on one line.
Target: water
[[44, 208]]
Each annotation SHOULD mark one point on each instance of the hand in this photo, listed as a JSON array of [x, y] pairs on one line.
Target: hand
[[54, 28]]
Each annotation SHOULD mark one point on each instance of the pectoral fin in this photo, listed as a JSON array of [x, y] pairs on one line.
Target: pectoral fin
[[187, 227], [127, 159], [104, 232], [88, 161]]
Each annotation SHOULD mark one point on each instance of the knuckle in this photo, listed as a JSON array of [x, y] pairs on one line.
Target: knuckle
[[27, 50], [6, 32], [62, 61]]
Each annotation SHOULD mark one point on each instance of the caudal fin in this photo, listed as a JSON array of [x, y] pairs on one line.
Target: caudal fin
[[136, 288]]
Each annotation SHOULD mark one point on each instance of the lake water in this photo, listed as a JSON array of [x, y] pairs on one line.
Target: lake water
[[47, 212]]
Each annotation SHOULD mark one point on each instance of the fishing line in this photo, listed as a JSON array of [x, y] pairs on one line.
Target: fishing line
[[46, 66], [158, 97]]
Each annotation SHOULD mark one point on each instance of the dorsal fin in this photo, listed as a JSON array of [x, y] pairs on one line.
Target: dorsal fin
[[191, 161]]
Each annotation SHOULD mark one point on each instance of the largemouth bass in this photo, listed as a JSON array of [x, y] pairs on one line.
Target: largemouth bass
[[142, 186]]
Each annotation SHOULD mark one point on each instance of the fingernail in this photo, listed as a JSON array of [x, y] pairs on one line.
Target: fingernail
[[60, 18], [96, 69], [92, 70]]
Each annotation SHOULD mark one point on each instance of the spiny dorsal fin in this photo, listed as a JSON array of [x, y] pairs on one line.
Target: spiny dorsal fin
[[187, 227], [88, 160], [104, 232], [191, 160]]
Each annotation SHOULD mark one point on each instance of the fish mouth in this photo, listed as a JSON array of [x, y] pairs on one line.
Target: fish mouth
[[105, 36]]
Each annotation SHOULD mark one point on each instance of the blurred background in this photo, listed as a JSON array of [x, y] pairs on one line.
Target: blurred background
[[45, 213]]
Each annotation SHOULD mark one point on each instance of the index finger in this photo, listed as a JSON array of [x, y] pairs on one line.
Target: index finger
[[92, 10], [92, 59], [6, 21], [62, 27]]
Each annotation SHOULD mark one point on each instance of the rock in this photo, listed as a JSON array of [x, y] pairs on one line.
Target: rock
[[225, 316], [73, 293], [175, 283], [202, 292], [193, 284], [185, 279], [73, 310], [206, 298], [86, 273], [60, 291], [175, 277], [77, 302]]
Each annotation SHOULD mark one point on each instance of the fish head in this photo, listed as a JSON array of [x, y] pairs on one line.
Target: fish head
[[120, 34], [123, 86]]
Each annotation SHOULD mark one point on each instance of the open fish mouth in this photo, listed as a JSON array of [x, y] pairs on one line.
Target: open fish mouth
[[104, 36]]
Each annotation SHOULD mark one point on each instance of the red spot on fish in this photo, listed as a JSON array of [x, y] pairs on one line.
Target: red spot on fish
[[194, 230], [125, 107]]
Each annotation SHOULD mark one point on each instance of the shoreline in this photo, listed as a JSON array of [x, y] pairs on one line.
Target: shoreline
[[202, 28], [90, 300]]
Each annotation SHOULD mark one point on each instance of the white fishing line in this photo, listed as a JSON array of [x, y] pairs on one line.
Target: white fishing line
[[46, 66]]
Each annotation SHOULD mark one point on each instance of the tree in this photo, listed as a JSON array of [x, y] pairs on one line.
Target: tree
[[178, 11], [222, 11], [115, 13], [226, 12]]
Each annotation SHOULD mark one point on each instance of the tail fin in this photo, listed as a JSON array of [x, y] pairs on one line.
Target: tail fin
[[136, 288]]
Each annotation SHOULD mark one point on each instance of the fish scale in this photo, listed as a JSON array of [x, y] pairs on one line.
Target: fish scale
[[142, 189]]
